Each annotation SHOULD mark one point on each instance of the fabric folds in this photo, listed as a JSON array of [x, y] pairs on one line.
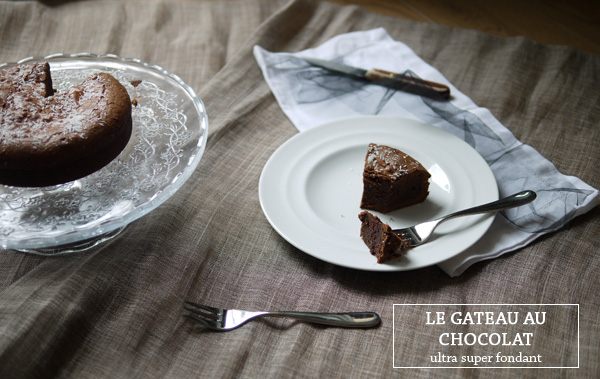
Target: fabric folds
[[116, 311]]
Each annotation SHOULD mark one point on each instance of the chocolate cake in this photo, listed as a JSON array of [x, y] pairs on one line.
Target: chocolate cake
[[379, 238], [47, 138], [392, 180]]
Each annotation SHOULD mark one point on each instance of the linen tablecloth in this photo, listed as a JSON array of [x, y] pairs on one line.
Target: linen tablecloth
[[116, 311]]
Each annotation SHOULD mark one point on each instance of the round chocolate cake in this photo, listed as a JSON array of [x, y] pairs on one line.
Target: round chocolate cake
[[48, 139]]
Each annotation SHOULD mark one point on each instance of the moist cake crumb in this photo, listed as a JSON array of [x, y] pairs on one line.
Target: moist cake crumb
[[379, 238]]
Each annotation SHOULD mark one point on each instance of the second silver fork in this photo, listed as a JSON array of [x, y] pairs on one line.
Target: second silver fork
[[227, 319], [420, 233]]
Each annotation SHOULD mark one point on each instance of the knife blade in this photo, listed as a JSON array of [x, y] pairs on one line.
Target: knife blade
[[385, 78]]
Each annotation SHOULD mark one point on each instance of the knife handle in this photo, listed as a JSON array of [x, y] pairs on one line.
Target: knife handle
[[408, 83]]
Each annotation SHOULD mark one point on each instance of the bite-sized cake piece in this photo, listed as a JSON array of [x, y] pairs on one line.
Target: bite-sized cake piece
[[47, 138], [392, 180], [379, 238]]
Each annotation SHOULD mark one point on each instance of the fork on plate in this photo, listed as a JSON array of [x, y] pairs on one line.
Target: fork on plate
[[227, 319], [420, 233]]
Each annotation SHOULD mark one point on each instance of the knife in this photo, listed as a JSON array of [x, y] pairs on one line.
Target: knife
[[388, 79]]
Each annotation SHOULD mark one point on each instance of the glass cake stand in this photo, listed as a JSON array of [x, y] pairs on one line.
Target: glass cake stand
[[170, 128]]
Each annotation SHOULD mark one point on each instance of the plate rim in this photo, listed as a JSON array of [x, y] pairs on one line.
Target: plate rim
[[486, 220]]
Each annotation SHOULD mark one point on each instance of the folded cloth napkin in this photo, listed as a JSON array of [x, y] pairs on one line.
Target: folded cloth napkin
[[310, 98]]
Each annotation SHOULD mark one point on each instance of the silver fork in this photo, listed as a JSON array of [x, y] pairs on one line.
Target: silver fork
[[420, 233], [228, 319]]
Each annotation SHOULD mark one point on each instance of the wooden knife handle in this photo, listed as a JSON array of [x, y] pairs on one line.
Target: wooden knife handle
[[408, 84]]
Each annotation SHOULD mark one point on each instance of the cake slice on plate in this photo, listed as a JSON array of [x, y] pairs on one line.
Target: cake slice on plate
[[392, 180]]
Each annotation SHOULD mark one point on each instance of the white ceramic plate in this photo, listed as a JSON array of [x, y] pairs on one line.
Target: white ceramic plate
[[311, 187]]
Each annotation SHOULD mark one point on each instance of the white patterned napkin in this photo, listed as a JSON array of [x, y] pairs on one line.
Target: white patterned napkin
[[310, 97]]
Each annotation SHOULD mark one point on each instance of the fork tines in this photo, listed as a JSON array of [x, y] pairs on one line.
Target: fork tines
[[213, 313], [203, 314]]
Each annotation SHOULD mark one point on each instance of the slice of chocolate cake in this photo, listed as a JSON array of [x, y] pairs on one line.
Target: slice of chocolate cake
[[379, 238], [392, 180]]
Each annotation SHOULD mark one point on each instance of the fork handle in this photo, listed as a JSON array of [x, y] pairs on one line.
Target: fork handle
[[512, 201], [349, 319]]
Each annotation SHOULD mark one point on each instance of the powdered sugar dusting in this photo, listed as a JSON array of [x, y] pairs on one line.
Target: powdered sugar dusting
[[388, 161], [35, 120]]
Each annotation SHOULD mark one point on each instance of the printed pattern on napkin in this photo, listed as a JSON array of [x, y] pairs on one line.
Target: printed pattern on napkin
[[310, 96]]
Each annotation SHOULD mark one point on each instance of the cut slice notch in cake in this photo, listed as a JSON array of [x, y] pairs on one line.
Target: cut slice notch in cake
[[392, 180], [379, 238]]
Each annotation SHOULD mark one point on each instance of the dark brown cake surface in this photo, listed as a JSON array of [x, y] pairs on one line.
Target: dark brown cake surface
[[392, 180], [47, 138], [379, 238]]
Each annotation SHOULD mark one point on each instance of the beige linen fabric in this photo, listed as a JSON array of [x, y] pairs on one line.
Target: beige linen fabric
[[116, 311]]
